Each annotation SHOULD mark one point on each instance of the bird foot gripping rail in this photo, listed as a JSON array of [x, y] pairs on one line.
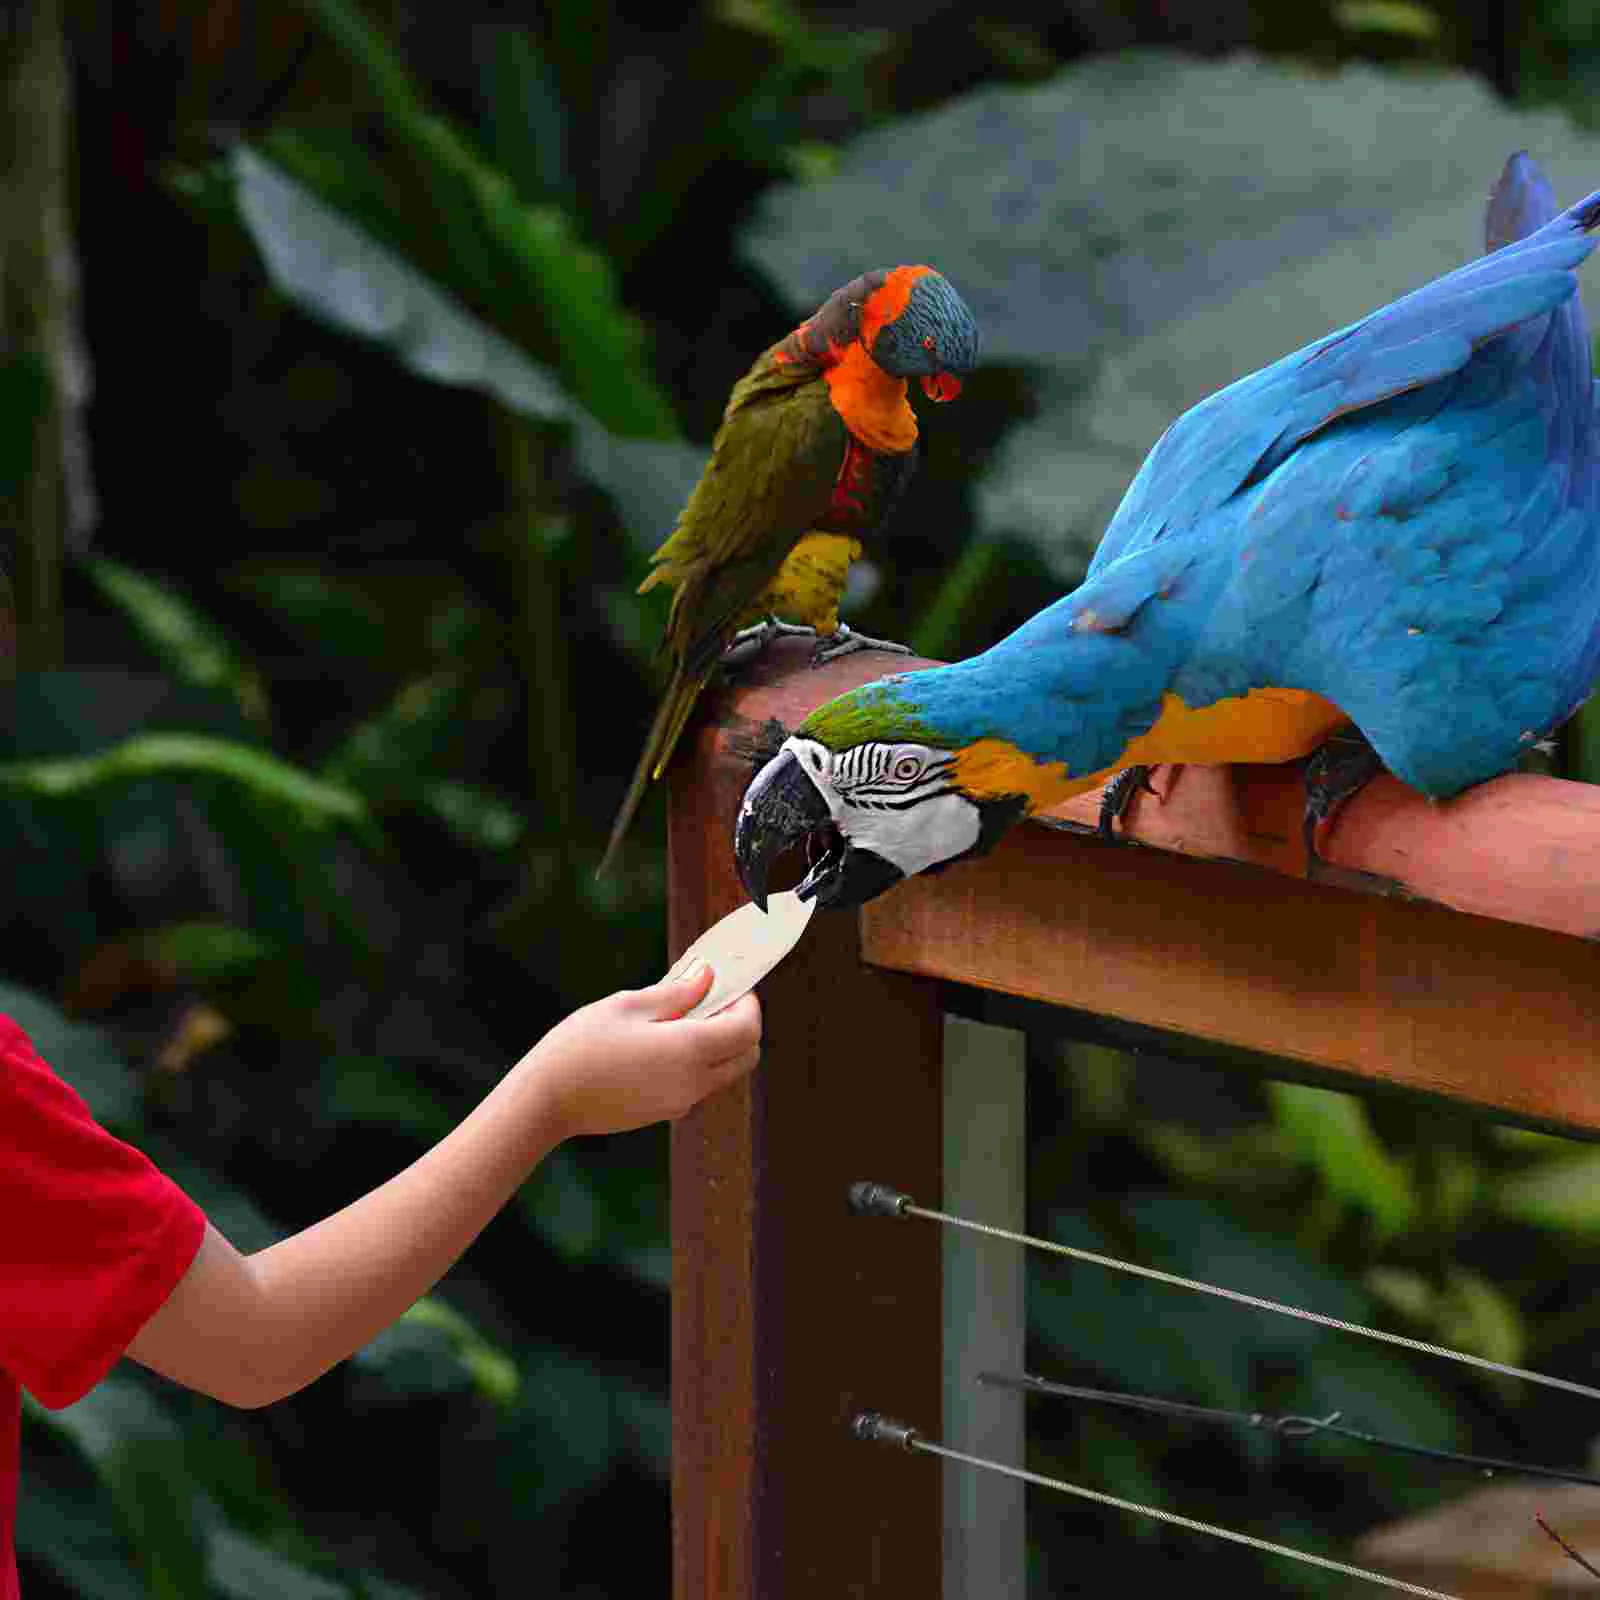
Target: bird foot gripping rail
[[1442, 949]]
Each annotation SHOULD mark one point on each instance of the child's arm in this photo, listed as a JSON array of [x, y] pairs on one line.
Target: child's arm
[[252, 1329]]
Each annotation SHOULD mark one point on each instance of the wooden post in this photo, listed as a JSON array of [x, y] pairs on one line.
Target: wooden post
[[790, 1314], [985, 1307]]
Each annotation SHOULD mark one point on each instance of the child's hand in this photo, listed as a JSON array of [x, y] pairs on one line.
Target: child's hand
[[624, 1061]]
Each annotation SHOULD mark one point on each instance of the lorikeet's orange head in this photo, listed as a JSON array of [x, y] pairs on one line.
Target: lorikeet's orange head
[[915, 325], [909, 320]]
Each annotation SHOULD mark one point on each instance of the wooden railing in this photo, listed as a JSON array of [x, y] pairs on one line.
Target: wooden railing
[[1448, 950]]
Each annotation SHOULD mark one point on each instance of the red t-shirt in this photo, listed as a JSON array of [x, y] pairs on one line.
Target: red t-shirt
[[92, 1240]]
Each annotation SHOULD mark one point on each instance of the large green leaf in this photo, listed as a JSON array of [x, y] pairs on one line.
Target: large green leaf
[[75, 1535], [241, 1569], [150, 1467], [600, 342], [525, 122], [1334, 1136], [433, 1348], [341, 274], [1561, 1193], [82, 1054], [315, 801], [137, 1450], [476, 816], [334, 269], [193, 647], [383, 1094]]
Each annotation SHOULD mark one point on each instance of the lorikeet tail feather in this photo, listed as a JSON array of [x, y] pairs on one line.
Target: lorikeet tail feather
[[665, 731]]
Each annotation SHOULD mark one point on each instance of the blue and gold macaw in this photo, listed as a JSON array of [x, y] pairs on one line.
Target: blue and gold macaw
[[1398, 526]]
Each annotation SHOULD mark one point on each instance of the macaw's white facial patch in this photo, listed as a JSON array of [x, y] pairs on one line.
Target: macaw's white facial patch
[[936, 828], [893, 799], [744, 947]]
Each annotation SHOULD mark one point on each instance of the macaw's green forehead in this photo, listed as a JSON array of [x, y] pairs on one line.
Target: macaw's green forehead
[[881, 711]]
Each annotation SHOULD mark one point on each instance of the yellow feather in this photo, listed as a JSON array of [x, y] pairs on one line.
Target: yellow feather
[[1265, 725]]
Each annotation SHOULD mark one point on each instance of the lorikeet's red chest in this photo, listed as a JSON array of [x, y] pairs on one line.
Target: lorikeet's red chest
[[866, 489], [853, 488]]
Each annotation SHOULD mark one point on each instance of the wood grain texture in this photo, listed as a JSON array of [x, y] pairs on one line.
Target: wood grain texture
[[789, 1313], [1522, 849], [1380, 989]]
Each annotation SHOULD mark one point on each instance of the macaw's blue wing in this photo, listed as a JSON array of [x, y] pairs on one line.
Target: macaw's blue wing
[[1418, 542], [1400, 520], [1240, 434]]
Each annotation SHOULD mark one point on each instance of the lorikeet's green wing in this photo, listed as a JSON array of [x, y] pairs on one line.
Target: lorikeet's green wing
[[770, 480]]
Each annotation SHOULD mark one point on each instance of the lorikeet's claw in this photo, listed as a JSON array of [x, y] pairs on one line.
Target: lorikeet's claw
[[1339, 768], [749, 642], [1118, 797], [844, 641]]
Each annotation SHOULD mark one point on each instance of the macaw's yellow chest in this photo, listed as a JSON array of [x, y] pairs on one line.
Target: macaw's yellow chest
[[1263, 725]]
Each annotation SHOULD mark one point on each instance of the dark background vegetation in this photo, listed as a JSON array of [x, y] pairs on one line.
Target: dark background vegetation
[[404, 326]]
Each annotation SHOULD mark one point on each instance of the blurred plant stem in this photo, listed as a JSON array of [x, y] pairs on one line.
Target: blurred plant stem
[[43, 479], [530, 540], [955, 602]]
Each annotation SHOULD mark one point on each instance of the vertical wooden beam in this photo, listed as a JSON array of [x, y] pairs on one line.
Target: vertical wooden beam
[[789, 1313], [985, 1310]]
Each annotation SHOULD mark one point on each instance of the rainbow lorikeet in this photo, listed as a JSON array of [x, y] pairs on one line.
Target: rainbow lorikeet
[[1398, 526], [817, 442]]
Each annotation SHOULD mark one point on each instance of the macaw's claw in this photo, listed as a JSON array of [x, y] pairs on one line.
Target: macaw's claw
[[749, 642], [844, 641], [1337, 769], [1118, 797]]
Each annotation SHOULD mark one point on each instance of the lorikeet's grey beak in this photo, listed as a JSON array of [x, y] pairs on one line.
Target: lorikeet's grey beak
[[783, 808]]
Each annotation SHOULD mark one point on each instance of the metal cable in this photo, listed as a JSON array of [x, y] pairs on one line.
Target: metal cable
[[883, 1201], [1285, 1427], [871, 1425]]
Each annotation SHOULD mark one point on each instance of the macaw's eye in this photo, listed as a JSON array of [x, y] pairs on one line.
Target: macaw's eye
[[929, 342], [907, 767]]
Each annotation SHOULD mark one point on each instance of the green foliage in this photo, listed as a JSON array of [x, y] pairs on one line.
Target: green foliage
[[1241, 1189], [353, 280], [435, 1350], [191, 647], [1562, 1192], [85, 1056], [313, 802], [1332, 1132], [536, 246], [1398, 17], [335, 271]]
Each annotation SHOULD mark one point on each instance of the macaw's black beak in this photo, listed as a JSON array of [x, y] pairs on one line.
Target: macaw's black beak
[[783, 808]]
